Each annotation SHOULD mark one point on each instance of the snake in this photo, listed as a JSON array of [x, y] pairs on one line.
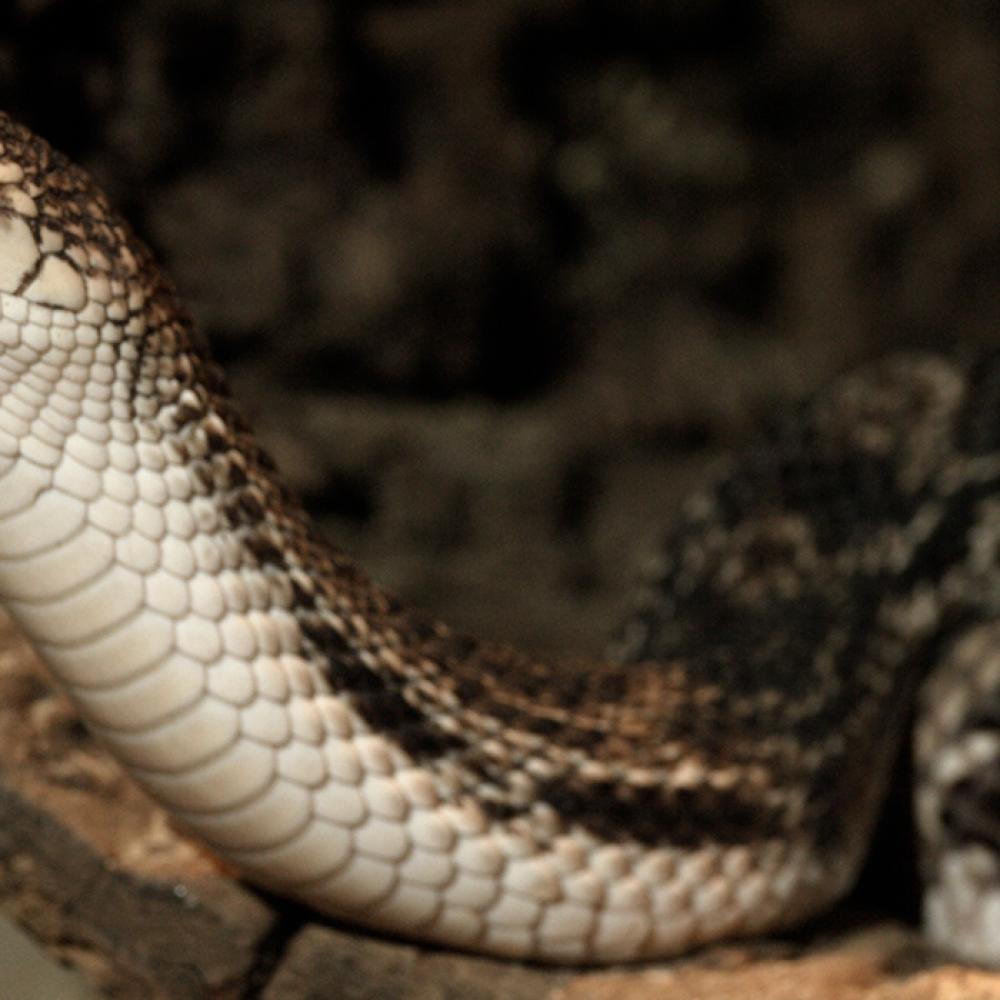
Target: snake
[[830, 599]]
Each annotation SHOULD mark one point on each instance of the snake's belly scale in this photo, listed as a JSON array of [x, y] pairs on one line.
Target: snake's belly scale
[[341, 748]]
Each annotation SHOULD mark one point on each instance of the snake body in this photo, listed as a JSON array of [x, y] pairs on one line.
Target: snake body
[[719, 778]]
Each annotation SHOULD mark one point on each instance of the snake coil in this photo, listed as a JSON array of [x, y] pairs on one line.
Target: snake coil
[[720, 778]]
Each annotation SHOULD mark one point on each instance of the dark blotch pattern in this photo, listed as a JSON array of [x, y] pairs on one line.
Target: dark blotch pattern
[[971, 809], [657, 815]]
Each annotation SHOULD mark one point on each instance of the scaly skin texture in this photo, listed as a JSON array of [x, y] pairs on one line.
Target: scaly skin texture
[[719, 779]]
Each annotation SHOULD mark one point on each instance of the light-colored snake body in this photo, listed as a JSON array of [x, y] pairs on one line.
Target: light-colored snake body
[[339, 747]]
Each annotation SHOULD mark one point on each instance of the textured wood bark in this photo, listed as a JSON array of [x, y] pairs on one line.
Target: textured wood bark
[[132, 936]]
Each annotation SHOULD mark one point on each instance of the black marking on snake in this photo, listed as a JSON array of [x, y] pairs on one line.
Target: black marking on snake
[[839, 494], [685, 817], [265, 551], [970, 811], [379, 699]]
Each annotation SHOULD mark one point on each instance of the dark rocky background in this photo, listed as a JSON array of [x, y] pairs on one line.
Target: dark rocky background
[[499, 280]]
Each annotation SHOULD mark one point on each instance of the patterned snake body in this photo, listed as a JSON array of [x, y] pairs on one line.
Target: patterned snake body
[[720, 778]]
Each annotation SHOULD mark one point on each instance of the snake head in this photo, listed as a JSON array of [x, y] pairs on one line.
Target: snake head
[[77, 287], [61, 246]]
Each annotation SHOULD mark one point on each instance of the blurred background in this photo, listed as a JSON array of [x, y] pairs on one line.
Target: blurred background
[[499, 281]]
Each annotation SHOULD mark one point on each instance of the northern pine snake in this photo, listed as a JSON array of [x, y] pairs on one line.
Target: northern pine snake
[[720, 779]]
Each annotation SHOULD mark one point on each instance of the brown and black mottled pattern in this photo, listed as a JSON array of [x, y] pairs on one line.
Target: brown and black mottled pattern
[[969, 808], [777, 644], [970, 811], [771, 663], [780, 642]]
